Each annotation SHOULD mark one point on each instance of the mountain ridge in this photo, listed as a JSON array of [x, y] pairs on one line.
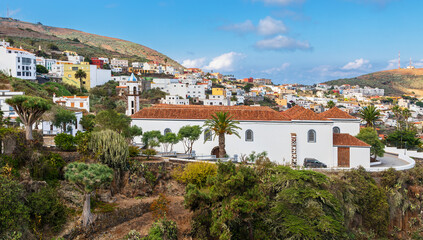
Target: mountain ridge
[[395, 81], [111, 46]]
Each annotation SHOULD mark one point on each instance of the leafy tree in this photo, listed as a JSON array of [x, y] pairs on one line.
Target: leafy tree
[[88, 177], [229, 205], [168, 140], [153, 94], [62, 117], [403, 139], [331, 104], [303, 206], [248, 87], [41, 69], [401, 115], [110, 119], [188, 135], [370, 115], [219, 125], [369, 136], [87, 122], [80, 74], [151, 139], [14, 215], [29, 109]]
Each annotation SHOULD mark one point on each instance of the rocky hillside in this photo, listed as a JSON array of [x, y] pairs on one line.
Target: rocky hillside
[[33, 35], [395, 82]]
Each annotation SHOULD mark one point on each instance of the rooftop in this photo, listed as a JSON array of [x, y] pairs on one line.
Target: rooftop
[[300, 113], [344, 139], [241, 113], [336, 113]]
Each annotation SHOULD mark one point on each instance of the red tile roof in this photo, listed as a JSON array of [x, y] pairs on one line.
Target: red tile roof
[[336, 113], [75, 96], [16, 49], [344, 139], [300, 113], [245, 113]]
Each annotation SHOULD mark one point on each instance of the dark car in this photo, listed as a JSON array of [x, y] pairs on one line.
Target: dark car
[[313, 163]]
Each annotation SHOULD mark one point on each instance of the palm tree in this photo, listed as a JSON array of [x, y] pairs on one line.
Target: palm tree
[[331, 104], [81, 75], [220, 124], [370, 114]]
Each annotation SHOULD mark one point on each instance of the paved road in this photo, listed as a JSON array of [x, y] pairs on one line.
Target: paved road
[[390, 160]]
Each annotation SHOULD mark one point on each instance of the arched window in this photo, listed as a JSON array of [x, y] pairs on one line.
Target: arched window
[[311, 136], [249, 136], [167, 130], [336, 130], [207, 135]]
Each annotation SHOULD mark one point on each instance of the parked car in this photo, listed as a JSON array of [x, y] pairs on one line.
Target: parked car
[[313, 163]]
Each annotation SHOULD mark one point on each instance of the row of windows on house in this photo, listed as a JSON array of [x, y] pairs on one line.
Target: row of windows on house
[[249, 135]]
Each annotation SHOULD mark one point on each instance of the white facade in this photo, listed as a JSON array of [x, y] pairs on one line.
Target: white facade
[[119, 62], [58, 69], [47, 63], [99, 76], [7, 110], [17, 62], [81, 102], [175, 100]]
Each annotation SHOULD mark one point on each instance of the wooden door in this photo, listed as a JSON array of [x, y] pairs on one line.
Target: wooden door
[[343, 157]]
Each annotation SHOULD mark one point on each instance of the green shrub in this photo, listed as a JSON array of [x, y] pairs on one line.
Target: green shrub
[[196, 173], [14, 215], [149, 152], [134, 151], [65, 142], [46, 207], [163, 229], [81, 140], [132, 235], [48, 168]]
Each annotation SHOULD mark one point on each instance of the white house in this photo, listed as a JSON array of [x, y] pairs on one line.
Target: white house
[[288, 137], [119, 62], [172, 99], [17, 62], [49, 129], [7, 110], [80, 102]]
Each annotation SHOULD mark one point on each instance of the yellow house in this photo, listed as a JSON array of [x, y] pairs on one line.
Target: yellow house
[[281, 102], [69, 74], [218, 91]]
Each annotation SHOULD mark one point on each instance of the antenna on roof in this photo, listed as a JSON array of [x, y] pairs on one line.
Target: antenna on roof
[[410, 62], [399, 60], [7, 12]]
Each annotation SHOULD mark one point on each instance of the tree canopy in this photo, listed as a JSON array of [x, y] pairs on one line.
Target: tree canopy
[[188, 135], [29, 109]]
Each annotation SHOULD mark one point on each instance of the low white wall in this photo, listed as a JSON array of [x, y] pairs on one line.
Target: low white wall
[[359, 156], [402, 154]]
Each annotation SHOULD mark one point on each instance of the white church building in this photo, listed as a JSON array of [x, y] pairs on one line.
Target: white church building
[[288, 137]]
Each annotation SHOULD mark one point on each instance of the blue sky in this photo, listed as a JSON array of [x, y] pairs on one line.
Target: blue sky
[[289, 41]]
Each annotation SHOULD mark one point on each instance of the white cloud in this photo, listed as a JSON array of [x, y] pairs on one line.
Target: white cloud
[[281, 42], [280, 2], [392, 64], [270, 26], [266, 26], [224, 62], [281, 68], [357, 64], [13, 12], [194, 63], [244, 27]]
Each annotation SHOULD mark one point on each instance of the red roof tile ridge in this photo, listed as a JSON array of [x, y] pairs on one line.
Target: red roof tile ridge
[[336, 113], [345, 139], [301, 113]]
